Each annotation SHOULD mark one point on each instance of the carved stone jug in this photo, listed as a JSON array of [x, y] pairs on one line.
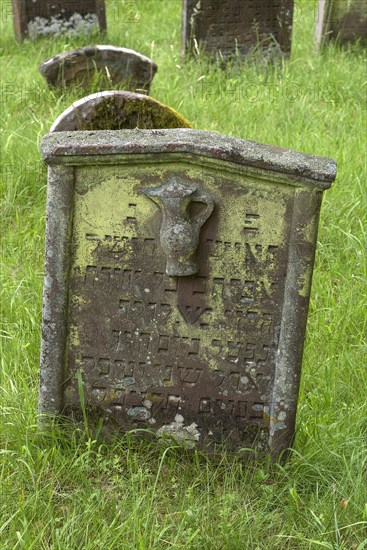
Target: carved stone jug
[[179, 233]]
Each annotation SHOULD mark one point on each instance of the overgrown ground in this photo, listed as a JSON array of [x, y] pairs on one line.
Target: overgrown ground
[[69, 492]]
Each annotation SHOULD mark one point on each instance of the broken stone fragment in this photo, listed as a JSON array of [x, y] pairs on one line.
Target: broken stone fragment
[[114, 66], [117, 110]]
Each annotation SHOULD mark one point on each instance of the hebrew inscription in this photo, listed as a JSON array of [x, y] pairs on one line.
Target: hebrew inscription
[[152, 345]]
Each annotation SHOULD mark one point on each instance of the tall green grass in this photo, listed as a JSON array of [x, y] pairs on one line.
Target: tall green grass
[[67, 491]]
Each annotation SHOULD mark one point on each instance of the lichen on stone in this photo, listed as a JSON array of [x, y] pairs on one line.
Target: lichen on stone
[[185, 436], [57, 25], [116, 113]]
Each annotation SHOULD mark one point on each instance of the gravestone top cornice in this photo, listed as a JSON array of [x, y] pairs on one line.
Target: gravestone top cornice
[[320, 171]]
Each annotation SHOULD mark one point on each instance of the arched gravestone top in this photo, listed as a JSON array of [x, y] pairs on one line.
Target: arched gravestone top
[[114, 65], [116, 110], [341, 20], [209, 357]]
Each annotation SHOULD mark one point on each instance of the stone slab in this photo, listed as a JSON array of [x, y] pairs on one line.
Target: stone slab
[[209, 358], [33, 18], [238, 28], [343, 20], [114, 66]]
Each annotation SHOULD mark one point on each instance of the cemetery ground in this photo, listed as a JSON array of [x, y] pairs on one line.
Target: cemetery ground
[[69, 490]]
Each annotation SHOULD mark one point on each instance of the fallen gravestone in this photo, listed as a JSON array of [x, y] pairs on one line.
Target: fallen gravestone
[[177, 281], [113, 65], [117, 110], [33, 18], [231, 28], [342, 20]]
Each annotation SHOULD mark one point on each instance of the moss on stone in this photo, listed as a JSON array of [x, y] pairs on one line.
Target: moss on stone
[[131, 111]]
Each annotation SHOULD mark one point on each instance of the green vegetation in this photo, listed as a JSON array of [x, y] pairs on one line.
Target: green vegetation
[[68, 491]]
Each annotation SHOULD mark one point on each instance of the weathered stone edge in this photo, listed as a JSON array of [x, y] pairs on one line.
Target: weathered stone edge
[[70, 54], [319, 170], [102, 48]]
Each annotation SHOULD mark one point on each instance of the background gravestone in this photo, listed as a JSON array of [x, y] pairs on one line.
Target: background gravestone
[[114, 65], [34, 18], [116, 110], [341, 19], [240, 27], [177, 281]]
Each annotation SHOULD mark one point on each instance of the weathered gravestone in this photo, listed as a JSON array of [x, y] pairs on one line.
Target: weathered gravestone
[[117, 110], [34, 18], [177, 282], [345, 20], [113, 65], [238, 27]]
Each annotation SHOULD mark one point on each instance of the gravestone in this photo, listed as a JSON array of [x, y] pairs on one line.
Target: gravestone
[[238, 27], [177, 281], [117, 110], [343, 20], [113, 65], [34, 18]]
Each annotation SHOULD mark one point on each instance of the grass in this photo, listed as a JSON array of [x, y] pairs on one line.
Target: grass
[[68, 491]]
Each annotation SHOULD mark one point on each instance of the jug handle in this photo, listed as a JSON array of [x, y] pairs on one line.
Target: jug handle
[[207, 199]]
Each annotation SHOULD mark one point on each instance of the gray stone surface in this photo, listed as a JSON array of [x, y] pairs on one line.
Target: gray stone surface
[[343, 20], [114, 66], [229, 29], [205, 358], [33, 18], [279, 162], [116, 110]]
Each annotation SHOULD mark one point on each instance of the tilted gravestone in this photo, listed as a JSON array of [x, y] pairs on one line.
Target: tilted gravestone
[[231, 28], [113, 65], [34, 18], [177, 281], [343, 20]]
